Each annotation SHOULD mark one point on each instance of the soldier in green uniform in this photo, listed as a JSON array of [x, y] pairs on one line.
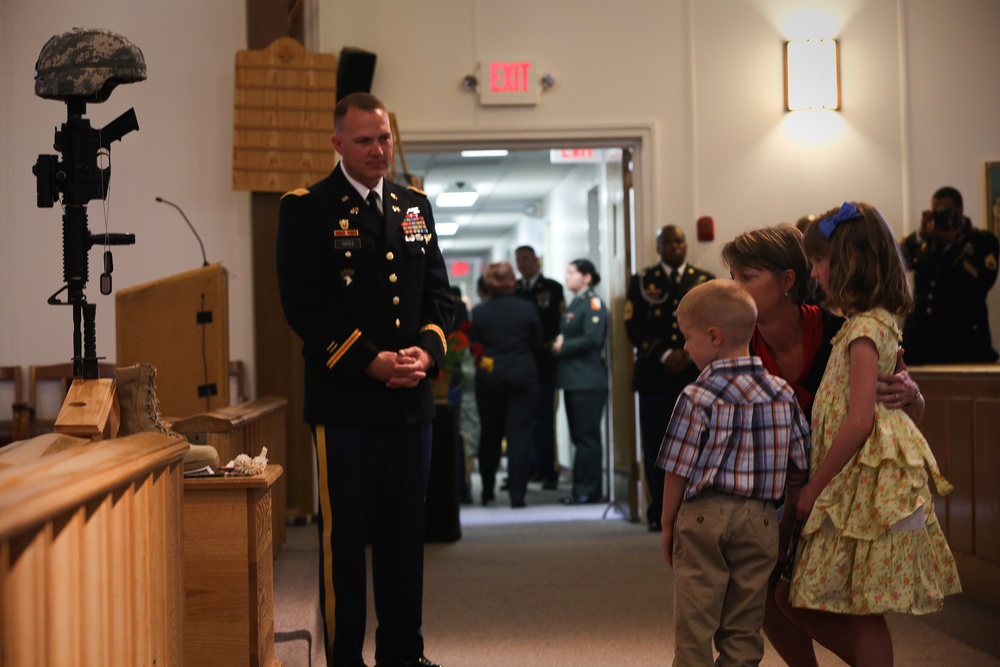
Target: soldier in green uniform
[[582, 374], [662, 368]]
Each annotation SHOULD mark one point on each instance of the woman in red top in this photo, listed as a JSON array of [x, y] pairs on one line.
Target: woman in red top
[[792, 338]]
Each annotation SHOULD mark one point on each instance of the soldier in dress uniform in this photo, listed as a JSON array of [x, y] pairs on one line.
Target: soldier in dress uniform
[[547, 294], [662, 368], [582, 374], [364, 285], [954, 267]]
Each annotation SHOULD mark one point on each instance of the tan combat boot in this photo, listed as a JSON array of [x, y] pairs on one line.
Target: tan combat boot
[[140, 412]]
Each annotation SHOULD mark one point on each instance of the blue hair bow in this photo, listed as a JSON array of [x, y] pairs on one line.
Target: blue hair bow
[[847, 212]]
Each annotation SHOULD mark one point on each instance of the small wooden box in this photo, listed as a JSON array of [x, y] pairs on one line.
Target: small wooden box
[[228, 571]]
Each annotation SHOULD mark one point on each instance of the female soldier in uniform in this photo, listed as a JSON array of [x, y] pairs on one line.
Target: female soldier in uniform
[[582, 374]]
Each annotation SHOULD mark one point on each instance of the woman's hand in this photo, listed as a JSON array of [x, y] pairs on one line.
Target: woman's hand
[[557, 344], [898, 390]]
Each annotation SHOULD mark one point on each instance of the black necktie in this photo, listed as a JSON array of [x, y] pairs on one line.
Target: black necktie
[[373, 203]]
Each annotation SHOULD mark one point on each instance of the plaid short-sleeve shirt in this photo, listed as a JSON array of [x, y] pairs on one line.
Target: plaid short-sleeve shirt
[[733, 430]]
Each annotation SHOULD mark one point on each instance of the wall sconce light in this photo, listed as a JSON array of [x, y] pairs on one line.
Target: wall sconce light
[[458, 195], [812, 74]]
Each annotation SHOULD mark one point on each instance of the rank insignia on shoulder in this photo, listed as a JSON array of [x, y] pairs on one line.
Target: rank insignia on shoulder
[[990, 262], [417, 190], [298, 192], [595, 303]]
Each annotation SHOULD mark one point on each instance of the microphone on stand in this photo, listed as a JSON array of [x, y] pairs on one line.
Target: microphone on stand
[[203, 257]]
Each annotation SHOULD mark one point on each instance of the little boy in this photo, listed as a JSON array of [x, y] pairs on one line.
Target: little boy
[[733, 435]]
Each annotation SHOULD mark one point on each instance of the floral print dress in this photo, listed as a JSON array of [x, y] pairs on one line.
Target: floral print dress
[[872, 542]]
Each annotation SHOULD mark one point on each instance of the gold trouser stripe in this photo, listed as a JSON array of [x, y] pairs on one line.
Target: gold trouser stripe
[[324, 507], [343, 348]]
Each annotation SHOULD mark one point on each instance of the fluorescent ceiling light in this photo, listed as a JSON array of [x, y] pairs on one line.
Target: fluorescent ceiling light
[[499, 152], [459, 195], [446, 228]]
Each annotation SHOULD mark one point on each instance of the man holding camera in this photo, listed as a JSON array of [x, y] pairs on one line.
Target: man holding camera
[[954, 266]]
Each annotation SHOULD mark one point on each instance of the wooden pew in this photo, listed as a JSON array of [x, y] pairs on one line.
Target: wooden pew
[[245, 429]]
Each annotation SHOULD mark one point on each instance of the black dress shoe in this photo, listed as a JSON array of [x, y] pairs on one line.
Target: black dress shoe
[[516, 504], [408, 662], [655, 527], [578, 500]]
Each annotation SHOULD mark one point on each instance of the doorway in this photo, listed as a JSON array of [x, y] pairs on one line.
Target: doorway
[[567, 202]]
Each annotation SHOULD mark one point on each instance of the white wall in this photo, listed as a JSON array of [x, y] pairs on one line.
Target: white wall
[[705, 76], [182, 152], [699, 80]]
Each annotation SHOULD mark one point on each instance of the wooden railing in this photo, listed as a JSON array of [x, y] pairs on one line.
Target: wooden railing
[[962, 425], [91, 555]]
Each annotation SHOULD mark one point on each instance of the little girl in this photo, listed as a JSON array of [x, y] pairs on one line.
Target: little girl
[[871, 542]]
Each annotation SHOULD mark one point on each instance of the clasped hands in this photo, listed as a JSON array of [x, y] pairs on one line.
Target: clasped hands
[[400, 370]]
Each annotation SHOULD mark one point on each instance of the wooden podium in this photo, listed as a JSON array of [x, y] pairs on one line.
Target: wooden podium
[[180, 324]]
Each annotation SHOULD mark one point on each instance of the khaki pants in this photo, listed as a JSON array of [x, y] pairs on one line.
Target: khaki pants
[[724, 550]]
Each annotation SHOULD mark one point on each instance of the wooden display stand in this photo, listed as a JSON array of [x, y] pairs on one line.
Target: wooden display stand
[[245, 429], [180, 325], [90, 410], [228, 571]]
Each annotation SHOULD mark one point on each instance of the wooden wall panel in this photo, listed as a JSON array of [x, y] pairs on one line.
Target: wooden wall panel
[[961, 424], [986, 480]]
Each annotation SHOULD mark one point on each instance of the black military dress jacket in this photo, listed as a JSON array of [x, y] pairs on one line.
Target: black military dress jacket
[[547, 294], [651, 325], [950, 322], [351, 288]]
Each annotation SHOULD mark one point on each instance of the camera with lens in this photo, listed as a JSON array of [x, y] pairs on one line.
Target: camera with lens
[[945, 219]]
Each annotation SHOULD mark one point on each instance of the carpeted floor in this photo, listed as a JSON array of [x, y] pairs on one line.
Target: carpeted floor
[[561, 586]]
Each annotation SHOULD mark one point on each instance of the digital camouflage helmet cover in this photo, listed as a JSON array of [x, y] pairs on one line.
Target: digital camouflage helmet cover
[[87, 64]]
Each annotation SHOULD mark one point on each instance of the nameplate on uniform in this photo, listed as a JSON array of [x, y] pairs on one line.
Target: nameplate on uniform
[[346, 244]]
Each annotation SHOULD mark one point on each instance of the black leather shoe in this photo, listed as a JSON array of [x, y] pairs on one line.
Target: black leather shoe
[[516, 504], [655, 527], [579, 500], [408, 662]]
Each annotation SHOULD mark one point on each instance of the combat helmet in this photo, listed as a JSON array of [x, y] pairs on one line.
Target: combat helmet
[[87, 64]]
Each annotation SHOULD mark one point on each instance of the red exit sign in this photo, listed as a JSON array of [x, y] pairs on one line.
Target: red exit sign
[[509, 77], [510, 82]]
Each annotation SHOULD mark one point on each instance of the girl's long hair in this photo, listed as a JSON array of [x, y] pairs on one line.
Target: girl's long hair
[[867, 269]]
